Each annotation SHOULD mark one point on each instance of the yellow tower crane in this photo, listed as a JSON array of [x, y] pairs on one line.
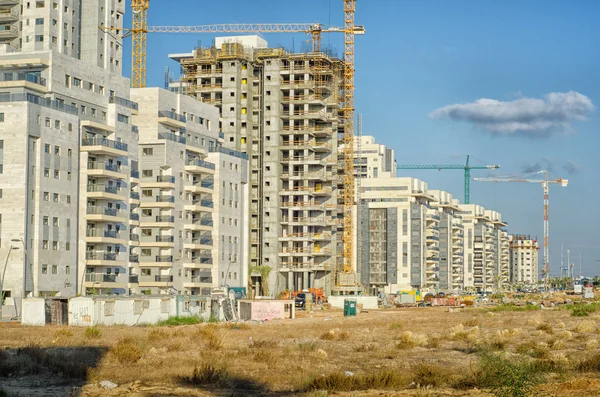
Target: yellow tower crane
[[140, 29], [545, 182]]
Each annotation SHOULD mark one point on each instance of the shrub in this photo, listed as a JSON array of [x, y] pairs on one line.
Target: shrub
[[93, 332], [330, 335], [365, 347], [63, 333], [427, 374], [306, 347], [507, 377], [472, 322], [396, 325], [408, 340], [157, 334], [263, 344], [585, 326], [583, 310], [126, 351], [207, 374], [341, 382], [589, 364], [179, 320], [214, 341], [546, 327]]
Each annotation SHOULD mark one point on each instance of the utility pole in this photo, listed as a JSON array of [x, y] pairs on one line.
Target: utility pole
[[579, 263], [12, 247]]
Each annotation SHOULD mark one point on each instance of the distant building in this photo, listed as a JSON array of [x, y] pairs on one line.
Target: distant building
[[523, 259], [373, 160]]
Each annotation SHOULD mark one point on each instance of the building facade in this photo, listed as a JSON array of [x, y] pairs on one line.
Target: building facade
[[373, 160], [282, 110], [523, 259]]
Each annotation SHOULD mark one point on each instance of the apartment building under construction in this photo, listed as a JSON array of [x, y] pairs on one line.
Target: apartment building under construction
[[283, 110]]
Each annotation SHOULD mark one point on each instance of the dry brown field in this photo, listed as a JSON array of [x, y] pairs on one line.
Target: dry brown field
[[395, 352]]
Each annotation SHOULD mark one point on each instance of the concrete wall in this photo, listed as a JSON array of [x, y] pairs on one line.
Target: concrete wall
[[261, 310], [368, 302]]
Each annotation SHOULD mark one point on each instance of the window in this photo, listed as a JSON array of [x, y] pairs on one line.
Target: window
[[1, 117], [67, 269], [147, 232], [54, 22], [44, 269], [57, 150], [93, 112], [47, 124], [68, 199], [46, 172], [55, 246], [147, 212], [146, 252], [147, 173], [55, 221], [46, 148], [77, 82], [82, 109], [109, 308], [68, 248], [45, 221], [56, 174], [46, 196], [147, 152], [55, 197], [122, 118], [39, 21], [45, 244], [147, 193], [39, 38]]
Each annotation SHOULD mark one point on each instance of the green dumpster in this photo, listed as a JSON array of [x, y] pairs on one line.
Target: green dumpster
[[349, 307]]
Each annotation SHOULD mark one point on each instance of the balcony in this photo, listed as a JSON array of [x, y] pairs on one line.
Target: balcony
[[198, 282], [159, 202], [204, 223], [8, 32], [200, 166], [134, 258], [106, 169], [123, 102], [22, 77], [135, 174], [105, 214], [134, 196], [99, 144], [199, 262], [200, 205], [134, 217], [202, 186], [172, 137], [155, 281], [104, 236], [98, 280], [104, 191], [199, 243], [134, 278], [171, 118]]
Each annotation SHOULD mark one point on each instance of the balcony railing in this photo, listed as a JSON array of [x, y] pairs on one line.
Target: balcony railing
[[230, 152], [100, 278], [134, 278], [102, 233], [123, 102], [201, 279], [135, 174], [155, 279], [172, 115], [134, 237], [165, 239], [202, 221], [46, 102], [201, 163], [93, 165], [101, 141], [134, 258], [164, 258], [134, 217], [165, 218], [93, 210], [134, 195], [201, 241], [102, 189], [165, 199], [102, 256], [30, 77], [200, 260], [171, 137], [165, 178]]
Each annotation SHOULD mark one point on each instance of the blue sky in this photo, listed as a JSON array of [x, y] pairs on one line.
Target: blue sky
[[423, 55]]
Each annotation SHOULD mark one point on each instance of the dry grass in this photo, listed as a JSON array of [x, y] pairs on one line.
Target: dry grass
[[93, 332], [586, 326], [301, 355], [546, 327]]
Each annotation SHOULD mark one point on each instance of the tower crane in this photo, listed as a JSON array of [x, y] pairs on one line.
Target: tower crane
[[545, 182], [467, 167], [139, 29]]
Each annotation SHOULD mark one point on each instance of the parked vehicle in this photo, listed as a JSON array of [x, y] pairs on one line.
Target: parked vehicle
[[300, 300]]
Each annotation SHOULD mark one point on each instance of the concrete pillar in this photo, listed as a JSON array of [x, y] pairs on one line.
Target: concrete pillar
[[305, 280], [312, 280], [290, 283]]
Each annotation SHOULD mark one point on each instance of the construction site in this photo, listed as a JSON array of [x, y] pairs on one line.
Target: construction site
[[234, 232]]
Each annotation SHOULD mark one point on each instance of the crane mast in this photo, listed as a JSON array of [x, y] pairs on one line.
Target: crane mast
[[348, 238], [545, 182], [139, 28]]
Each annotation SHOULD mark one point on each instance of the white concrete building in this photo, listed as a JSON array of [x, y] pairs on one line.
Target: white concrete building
[[398, 235], [373, 160], [523, 259]]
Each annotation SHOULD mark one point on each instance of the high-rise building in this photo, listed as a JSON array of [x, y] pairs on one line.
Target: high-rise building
[[283, 110], [373, 160], [523, 259]]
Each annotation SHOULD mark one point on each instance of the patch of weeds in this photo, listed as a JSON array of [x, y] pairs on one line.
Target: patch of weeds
[[127, 351], [589, 364], [428, 374], [214, 341], [4, 393], [472, 322], [341, 382], [63, 333], [180, 320], [264, 344], [434, 342], [365, 347], [396, 325], [93, 332], [426, 391], [585, 326], [263, 356], [157, 334], [407, 340], [237, 326], [344, 335], [533, 349], [330, 335], [508, 307], [207, 374], [583, 310], [174, 347], [306, 347], [508, 377], [546, 327]]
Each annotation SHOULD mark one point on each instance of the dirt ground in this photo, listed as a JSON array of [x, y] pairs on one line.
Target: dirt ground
[[281, 358]]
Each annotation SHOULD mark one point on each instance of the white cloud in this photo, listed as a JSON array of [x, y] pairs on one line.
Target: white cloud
[[532, 117]]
